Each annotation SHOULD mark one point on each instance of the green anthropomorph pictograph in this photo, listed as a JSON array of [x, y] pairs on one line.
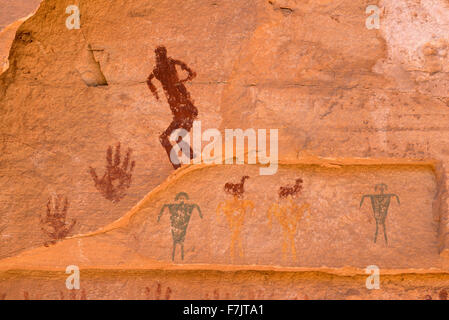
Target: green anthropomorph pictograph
[[380, 203], [180, 213]]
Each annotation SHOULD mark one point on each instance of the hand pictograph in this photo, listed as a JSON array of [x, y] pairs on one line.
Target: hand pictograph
[[117, 178], [54, 224]]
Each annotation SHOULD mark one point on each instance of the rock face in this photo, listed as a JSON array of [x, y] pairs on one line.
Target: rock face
[[12, 15], [362, 147], [6, 38], [12, 11]]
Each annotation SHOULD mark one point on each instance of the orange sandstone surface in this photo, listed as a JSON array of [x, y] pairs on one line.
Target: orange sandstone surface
[[12, 15], [363, 140], [13, 10]]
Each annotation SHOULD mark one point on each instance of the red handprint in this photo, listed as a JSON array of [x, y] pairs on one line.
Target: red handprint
[[117, 178], [54, 224]]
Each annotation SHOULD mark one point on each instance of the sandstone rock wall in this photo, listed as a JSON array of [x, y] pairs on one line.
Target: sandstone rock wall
[[13, 10], [213, 285], [12, 15], [355, 108]]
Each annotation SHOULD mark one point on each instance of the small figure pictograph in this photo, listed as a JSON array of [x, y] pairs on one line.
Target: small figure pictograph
[[380, 203]]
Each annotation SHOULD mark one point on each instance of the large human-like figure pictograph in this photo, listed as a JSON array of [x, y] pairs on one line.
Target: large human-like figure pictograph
[[181, 105]]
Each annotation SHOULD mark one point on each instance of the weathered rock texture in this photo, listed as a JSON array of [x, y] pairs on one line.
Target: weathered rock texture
[[13, 10], [355, 108], [6, 38], [12, 14]]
